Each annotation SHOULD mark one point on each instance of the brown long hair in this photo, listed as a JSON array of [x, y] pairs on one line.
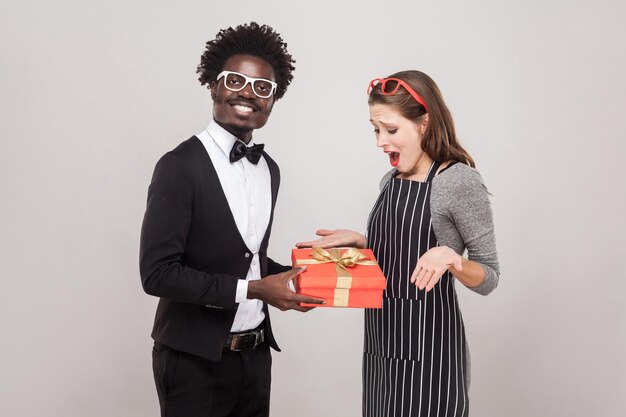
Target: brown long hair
[[439, 140]]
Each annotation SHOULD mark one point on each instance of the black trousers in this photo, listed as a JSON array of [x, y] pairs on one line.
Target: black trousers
[[236, 386]]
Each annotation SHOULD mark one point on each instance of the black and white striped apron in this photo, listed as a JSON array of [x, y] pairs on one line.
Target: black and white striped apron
[[414, 351]]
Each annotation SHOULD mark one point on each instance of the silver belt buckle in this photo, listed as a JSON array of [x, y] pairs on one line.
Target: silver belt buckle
[[258, 339]]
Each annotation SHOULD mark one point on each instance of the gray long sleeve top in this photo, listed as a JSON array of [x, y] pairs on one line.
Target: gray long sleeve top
[[462, 219]]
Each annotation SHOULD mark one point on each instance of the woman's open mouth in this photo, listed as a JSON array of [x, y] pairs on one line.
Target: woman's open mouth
[[394, 158]]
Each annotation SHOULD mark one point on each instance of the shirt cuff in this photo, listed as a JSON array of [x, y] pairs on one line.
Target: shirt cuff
[[241, 296]]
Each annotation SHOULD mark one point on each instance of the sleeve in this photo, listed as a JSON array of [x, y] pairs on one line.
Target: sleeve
[[276, 268], [163, 241], [242, 291], [470, 212]]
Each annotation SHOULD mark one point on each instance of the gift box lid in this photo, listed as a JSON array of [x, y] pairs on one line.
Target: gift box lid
[[325, 275]]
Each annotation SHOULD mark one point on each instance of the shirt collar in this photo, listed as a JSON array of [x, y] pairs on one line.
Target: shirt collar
[[224, 139]]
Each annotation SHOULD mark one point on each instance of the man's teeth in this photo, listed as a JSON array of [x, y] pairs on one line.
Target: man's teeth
[[243, 108]]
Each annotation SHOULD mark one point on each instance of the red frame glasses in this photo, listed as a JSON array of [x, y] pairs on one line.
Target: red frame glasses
[[399, 83]]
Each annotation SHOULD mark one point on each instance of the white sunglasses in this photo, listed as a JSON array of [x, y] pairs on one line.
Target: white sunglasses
[[235, 81]]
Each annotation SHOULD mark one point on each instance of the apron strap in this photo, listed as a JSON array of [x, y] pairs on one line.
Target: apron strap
[[432, 171]]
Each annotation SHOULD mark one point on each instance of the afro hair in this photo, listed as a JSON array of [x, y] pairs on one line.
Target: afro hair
[[247, 39]]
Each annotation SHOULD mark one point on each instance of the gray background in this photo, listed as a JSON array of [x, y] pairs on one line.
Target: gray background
[[93, 94]]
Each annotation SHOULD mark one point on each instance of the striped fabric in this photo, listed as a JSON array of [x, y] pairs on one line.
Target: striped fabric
[[414, 350]]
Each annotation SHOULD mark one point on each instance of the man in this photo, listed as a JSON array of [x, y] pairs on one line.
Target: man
[[205, 235]]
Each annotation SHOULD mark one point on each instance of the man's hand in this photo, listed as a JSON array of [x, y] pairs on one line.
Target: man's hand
[[274, 290]]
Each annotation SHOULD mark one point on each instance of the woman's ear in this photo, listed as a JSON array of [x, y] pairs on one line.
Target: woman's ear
[[424, 124]]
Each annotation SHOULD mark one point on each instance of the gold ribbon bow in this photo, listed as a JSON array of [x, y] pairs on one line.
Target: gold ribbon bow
[[342, 262], [348, 259]]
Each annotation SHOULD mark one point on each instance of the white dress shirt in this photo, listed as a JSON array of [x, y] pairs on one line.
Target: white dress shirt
[[249, 193]]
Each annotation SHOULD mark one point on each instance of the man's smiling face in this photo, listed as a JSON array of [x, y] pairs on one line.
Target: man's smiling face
[[240, 112]]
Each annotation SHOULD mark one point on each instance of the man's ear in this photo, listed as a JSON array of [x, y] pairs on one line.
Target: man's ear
[[424, 125], [213, 88]]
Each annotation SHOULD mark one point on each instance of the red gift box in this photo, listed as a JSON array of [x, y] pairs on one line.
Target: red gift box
[[346, 277]]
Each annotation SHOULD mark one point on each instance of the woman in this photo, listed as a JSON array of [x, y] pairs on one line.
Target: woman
[[433, 206]]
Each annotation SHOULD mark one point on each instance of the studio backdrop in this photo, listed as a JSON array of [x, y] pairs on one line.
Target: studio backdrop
[[93, 93]]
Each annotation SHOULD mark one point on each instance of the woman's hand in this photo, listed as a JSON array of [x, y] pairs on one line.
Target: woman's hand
[[433, 264], [335, 238]]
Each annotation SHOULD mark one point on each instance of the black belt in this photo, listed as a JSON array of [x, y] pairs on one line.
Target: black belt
[[245, 341]]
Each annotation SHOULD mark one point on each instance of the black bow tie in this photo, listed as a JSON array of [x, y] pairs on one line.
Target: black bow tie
[[253, 153]]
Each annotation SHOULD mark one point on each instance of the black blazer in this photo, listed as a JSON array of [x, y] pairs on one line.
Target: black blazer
[[192, 254]]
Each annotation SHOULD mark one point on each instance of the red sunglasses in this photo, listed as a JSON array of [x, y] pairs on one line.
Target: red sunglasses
[[393, 89]]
